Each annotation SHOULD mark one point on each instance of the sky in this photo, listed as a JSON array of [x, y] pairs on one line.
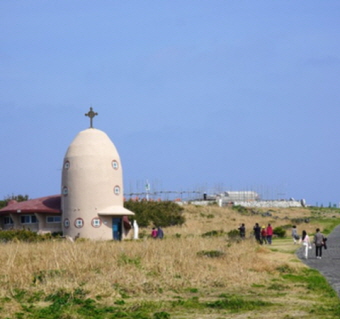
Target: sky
[[196, 95]]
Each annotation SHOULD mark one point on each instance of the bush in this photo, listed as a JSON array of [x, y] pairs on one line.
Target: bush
[[162, 214], [279, 232], [234, 234], [22, 235], [240, 209]]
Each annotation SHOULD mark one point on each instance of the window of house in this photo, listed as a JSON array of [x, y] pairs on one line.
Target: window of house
[[53, 219], [28, 219], [8, 221]]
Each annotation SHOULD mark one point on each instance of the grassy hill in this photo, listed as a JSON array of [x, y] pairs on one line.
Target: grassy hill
[[188, 274]]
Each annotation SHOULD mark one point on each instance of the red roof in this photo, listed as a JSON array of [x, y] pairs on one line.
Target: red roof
[[47, 204]]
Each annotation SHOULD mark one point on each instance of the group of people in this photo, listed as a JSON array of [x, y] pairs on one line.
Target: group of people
[[320, 241], [157, 233], [263, 235]]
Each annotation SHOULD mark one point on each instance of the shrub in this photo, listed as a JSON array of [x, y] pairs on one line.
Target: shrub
[[279, 232], [19, 235], [240, 209], [162, 214], [25, 235], [233, 234]]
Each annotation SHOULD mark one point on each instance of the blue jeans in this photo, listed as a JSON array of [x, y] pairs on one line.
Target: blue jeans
[[269, 239]]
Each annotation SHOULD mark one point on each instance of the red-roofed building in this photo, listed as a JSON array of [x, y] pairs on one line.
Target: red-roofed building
[[41, 214]]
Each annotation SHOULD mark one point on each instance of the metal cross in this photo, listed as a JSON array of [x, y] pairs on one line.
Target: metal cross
[[91, 115]]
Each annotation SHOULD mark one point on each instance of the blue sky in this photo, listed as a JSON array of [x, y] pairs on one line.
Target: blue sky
[[196, 95]]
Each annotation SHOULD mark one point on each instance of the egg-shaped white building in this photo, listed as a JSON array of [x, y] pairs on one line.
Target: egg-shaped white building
[[92, 189]]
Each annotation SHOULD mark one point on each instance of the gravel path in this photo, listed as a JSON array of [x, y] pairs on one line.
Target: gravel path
[[329, 265]]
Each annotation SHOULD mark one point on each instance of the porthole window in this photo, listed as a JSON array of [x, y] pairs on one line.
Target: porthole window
[[116, 190], [96, 222], [115, 164], [67, 165], [66, 223], [79, 223], [65, 191]]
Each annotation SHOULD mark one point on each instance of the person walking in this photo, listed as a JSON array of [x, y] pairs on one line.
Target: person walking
[[295, 234], [257, 233], [242, 230], [305, 242], [318, 242], [269, 234]]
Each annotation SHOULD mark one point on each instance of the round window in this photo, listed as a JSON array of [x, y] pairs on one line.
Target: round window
[[65, 191], [67, 165], [117, 190], [96, 222], [79, 223], [66, 223], [115, 164]]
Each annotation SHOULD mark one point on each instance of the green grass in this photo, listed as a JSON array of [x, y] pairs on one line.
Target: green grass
[[313, 281], [237, 304]]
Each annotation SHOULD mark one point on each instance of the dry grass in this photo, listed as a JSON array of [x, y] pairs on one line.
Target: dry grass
[[154, 269], [142, 267], [204, 219]]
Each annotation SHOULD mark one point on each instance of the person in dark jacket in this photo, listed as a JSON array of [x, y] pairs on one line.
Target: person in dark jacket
[[160, 233], [257, 233], [319, 240], [242, 230]]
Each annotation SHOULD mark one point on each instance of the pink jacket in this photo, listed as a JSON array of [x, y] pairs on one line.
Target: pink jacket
[[269, 231]]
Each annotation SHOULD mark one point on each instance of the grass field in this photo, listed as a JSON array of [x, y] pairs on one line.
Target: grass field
[[185, 275]]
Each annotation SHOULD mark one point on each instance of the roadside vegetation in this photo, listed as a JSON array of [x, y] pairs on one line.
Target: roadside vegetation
[[199, 270]]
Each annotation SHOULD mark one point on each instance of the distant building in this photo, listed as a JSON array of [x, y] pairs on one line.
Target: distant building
[[237, 196], [91, 201]]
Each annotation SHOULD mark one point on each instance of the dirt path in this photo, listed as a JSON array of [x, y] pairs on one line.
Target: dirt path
[[329, 265]]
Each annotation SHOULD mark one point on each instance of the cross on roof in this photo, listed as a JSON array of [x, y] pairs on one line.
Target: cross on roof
[[91, 115]]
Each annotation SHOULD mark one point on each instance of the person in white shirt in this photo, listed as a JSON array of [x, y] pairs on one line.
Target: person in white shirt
[[305, 242]]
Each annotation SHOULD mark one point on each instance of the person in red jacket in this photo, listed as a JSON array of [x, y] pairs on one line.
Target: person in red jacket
[[269, 234], [154, 233]]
